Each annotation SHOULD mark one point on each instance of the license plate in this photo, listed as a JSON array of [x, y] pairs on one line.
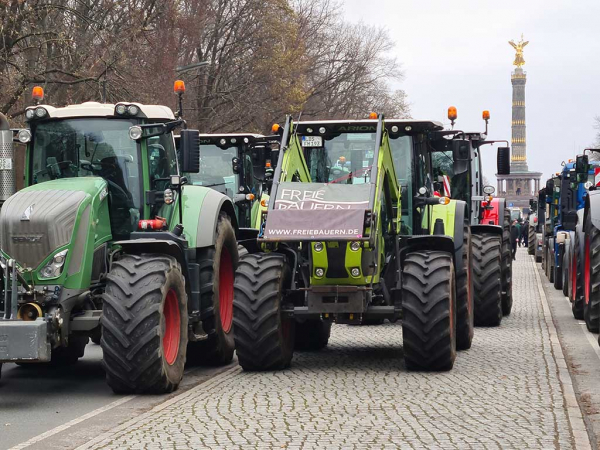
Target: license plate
[[312, 141]]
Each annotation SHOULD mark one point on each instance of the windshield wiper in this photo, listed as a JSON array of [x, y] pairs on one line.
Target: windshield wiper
[[212, 185]]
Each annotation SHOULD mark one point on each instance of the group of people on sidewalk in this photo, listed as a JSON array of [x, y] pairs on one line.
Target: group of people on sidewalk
[[519, 235]]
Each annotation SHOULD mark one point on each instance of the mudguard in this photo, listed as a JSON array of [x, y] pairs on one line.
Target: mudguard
[[431, 243], [495, 215], [202, 207], [593, 208], [493, 229], [453, 216]]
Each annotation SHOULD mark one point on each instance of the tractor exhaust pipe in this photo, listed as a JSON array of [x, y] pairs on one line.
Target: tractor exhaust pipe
[[7, 154]]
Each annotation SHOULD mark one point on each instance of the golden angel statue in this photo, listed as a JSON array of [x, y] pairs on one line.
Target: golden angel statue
[[519, 61]]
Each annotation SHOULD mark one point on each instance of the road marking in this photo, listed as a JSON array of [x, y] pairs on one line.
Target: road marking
[[87, 416], [67, 425], [578, 427]]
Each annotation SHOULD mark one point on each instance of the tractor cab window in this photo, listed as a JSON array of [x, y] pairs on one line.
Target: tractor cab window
[[346, 158], [401, 148], [162, 160], [216, 169], [460, 185], [92, 147]]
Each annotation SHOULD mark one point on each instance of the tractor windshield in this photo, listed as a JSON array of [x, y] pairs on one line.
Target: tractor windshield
[[216, 169], [92, 147], [459, 184], [345, 158]]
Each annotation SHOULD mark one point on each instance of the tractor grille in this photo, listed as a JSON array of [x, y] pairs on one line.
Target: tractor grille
[[99, 262], [35, 223]]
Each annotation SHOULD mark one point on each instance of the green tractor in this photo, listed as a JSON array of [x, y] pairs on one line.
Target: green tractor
[[97, 244], [353, 232], [488, 217]]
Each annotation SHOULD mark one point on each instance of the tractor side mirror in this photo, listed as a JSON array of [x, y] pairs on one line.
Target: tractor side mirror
[[503, 163], [582, 166], [189, 144], [461, 152]]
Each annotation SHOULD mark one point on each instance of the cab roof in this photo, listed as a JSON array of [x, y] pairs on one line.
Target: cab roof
[[366, 124], [95, 109]]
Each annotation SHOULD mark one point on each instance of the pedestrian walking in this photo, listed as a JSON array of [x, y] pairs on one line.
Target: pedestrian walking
[[525, 233], [514, 235], [517, 225]]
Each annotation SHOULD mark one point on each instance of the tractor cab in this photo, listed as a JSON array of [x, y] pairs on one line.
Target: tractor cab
[[235, 165]]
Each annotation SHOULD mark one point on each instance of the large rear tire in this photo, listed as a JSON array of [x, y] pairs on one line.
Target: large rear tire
[[264, 336], [312, 335], [464, 294], [566, 267], [429, 311], [591, 271], [558, 276], [217, 273], [507, 297], [531, 238], [144, 324], [577, 280], [487, 273]]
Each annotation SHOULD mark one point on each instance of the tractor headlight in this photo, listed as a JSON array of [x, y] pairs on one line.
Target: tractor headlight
[[135, 132], [133, 110], [121, 109], [319, 272], [24, 136], [54, 267], [318, 246], [168, 196], [355, 272], [355, 246], [41, 112], [30, 113]]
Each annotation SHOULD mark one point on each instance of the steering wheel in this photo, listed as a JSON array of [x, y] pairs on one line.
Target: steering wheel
[[67, 164]]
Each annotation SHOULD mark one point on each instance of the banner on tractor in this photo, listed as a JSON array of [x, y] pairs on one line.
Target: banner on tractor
[[315, 211]]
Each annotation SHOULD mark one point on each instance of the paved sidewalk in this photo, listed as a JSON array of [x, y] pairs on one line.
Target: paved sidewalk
[[506, 392]]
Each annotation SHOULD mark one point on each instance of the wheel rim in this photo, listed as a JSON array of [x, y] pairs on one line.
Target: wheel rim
[[587, 270], [172, 334], [226, 290]]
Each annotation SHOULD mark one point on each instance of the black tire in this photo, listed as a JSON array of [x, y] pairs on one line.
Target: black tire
[[550, 262], [96, 335], [506, 278], [218, 264], [543, 254], [144, 324], [531, 241], [264, 337], [487, 273], [429, 311], [67, 356], [557, 278], [566, 268], [465, 324], [591, 308], [577, 291], [312, 335]]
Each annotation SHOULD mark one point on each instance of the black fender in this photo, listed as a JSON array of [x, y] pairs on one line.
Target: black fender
[[213, 205], [427, 242], [501, 208], [592, 208], [492, 229]]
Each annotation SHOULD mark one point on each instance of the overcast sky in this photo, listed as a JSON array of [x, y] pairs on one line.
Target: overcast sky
[[457, 53]]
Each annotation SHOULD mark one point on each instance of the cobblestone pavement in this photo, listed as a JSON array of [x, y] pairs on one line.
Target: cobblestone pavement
[[503, 393]]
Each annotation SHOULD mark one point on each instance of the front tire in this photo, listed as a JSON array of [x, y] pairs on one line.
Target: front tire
[[429, 311], [144, 324], [591, 271], [506, 280], [531, 241], [312, 335], [577, 280], [487, 274], [558, 270], [264, 336], [217, 274], [465, 322]]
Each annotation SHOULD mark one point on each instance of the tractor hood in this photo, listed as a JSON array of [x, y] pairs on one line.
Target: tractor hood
[[315, 211], [38, 220]]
